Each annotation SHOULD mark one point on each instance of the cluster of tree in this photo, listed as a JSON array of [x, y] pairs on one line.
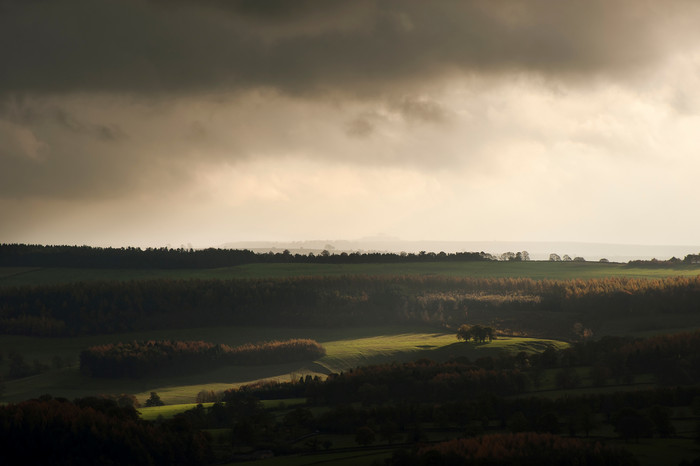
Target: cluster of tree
[[509, 256], [95, 431], [25, 255], [521, 448], [111, 307], [137, 359], [690, 259], [566, 258], [478, 333]]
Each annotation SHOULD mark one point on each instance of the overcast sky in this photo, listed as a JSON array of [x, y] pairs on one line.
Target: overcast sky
[[154, 122]]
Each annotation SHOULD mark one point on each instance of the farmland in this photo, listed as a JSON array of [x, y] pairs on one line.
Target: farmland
[[20, 276], [392, 365], [346, 349]]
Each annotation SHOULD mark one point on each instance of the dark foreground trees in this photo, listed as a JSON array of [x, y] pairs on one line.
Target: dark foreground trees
[[94, 431], [524, 448]]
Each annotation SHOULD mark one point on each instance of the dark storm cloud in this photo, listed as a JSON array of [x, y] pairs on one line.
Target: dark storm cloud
[[360, 127], [301, 47], [107, 98]]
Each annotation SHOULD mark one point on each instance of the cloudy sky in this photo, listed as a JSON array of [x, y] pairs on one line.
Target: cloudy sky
[[154, 122]]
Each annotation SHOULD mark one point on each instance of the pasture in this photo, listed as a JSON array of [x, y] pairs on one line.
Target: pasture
[[346, 348], [168, 411]]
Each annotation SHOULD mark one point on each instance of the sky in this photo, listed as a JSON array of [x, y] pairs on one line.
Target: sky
[[154, 122]]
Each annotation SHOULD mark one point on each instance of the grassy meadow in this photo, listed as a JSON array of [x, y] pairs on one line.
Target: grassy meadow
[[346, 348], [152, 413]]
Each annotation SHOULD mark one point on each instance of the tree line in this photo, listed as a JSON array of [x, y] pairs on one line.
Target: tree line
[[689, 259], [418, 381], [34, 255], [137, 359], [115, 307]]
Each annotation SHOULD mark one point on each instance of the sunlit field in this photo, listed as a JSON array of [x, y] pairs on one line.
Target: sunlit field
[[346, 349]]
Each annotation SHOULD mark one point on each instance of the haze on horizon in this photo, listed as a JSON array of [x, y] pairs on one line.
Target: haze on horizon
[[146, 122]]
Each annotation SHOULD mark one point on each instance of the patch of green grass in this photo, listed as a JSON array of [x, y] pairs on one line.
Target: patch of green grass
[[16, 276], [152, 413], [349, 353], [168, 411]]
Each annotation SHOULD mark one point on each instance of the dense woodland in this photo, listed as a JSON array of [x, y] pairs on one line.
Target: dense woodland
[[137, 359], [113, 307]]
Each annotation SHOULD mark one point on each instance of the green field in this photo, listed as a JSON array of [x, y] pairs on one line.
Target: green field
[[168, 411], [18, 276], [346, 348]]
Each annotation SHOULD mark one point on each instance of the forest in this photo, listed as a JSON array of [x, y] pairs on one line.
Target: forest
[[92, 308]]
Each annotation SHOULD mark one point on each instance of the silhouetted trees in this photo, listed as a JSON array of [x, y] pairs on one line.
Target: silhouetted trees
[[33, 255], [521, 448], [478, 333], [94, 431], [154, 400]]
